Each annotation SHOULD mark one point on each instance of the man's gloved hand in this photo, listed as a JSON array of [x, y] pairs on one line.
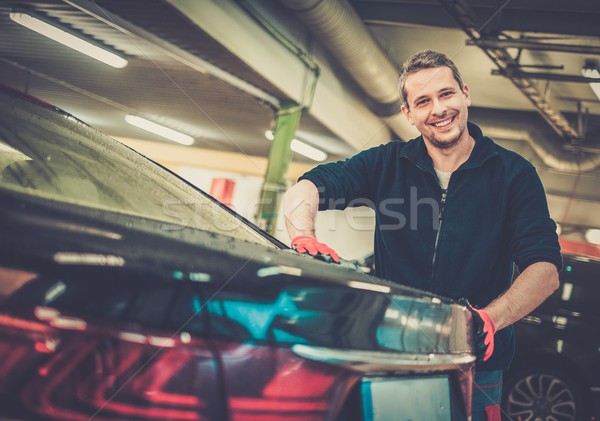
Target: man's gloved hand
[[307, 244], [484, 329]]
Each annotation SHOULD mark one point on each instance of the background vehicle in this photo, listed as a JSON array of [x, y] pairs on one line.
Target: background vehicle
[[556, 371], [125, 293]]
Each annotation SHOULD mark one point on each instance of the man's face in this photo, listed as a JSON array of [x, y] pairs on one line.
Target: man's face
[[437, 107]]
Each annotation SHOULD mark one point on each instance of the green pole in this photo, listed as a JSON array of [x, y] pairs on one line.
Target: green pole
[[280, 155]]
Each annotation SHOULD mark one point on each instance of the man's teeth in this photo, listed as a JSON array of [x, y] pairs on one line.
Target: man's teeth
[[443, 123]]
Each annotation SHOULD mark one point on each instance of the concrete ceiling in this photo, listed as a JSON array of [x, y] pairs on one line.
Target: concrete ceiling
[[213, 69]]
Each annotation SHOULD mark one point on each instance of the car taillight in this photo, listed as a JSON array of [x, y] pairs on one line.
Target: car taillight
[[266, 384], [465, 379], [106, 377]]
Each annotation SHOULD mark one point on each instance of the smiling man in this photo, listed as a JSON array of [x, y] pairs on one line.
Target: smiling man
[[454, 214], [438, 108]]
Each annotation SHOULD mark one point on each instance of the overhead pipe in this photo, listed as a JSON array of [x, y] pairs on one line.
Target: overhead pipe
[[519, 126], [343, 33], [339, 28]]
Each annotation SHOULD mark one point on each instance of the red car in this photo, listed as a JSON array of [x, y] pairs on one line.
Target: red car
[[128, 294]]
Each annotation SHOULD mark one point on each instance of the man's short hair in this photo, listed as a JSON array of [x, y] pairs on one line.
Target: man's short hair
[[427, 59]]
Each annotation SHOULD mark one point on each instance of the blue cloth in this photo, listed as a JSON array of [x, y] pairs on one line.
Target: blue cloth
[[495, 213], [487, 390]]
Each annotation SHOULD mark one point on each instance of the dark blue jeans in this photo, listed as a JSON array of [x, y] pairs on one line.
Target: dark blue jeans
[[487, 392]]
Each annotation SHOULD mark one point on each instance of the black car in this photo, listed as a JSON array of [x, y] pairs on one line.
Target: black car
[[128, 294], [555, 375]]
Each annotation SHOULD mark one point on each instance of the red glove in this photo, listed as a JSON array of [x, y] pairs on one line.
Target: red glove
[[484, 328], [307, 244]]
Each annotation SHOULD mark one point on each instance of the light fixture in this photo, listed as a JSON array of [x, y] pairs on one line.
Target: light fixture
[[159, 130], [308, 151], [66, 37], [590, 69], [270, 135], [593, 236], [302, 148]]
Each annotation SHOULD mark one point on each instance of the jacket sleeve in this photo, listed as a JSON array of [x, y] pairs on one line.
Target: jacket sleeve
[[346, 183], [532, 233]]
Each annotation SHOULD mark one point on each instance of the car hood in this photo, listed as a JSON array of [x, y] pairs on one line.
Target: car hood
[[303, 300]]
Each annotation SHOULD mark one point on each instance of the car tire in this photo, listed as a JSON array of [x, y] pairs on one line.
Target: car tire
[[542, 394]]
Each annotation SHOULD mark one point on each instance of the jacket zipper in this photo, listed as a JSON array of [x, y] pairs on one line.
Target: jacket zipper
[[437, 235]]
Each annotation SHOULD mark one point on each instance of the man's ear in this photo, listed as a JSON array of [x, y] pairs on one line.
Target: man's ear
[[407, 114], [467, 94]]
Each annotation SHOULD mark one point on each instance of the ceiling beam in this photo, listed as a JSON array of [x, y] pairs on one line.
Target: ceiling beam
[[513, 72], [528, 44], [464, 16]]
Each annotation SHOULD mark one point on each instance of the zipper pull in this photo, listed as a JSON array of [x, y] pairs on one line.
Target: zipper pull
[[442, 205]]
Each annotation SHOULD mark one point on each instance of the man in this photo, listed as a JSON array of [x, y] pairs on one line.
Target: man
[[454, 211]]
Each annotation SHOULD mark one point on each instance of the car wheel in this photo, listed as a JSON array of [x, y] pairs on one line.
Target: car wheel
[[542, 395]]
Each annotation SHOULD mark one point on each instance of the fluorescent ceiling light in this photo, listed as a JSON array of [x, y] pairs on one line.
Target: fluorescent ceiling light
[[65, 37], [157, 129], [308, 151], [593, 236], [302, 148], [590, 70]]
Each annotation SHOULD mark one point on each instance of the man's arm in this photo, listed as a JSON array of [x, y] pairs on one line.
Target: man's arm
[[533, 245], [300, 206], [527, 292]]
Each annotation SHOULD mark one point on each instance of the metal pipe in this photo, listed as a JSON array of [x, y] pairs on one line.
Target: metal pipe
[[514, 125], [344, 34], [280, 156]]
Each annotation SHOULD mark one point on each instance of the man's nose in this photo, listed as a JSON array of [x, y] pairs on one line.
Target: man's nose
[[438, 107]]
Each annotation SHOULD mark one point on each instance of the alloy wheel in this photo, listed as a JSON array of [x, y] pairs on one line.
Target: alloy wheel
[[541, 397]]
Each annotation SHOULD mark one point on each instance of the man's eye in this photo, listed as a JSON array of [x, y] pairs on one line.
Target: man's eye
[[421, 102], [448, 93]]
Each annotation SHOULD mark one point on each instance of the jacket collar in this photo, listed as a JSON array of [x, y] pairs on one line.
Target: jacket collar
[[416, 152]]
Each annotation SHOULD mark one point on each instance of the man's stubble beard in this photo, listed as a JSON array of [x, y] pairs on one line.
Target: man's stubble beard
[[446, 145]]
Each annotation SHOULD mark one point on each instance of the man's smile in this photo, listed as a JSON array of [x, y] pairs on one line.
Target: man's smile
[[443, 123]]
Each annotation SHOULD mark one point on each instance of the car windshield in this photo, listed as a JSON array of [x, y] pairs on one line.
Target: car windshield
[[52, 156]]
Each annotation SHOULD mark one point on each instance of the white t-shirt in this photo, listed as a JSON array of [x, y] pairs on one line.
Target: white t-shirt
[[443, 178]]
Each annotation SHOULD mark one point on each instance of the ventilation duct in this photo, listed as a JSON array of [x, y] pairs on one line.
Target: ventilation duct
[[343, 33], [527, 127]]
